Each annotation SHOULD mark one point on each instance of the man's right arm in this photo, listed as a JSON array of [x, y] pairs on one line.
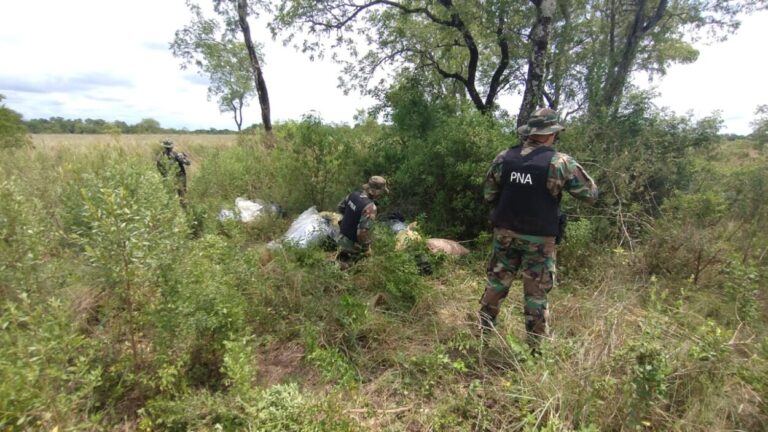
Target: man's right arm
[[341, 207], [365, 226], [492, 183], [161, 167]]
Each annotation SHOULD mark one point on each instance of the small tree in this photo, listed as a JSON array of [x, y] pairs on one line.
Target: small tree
[[13, 133], [224, 61], [233, 66], [760, 125]]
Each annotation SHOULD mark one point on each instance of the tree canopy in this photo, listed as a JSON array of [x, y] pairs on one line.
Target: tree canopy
[[575, 55]]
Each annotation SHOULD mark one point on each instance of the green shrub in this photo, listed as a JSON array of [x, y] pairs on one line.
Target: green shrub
[[24, 240], [332, 364], [13, 133], [391, 273], [48, 370], [201, 314], [690, 240], [281, 407], [314, 165], [439, 175], [128, 228]]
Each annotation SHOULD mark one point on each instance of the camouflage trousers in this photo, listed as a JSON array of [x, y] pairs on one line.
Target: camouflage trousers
[[349, 251], [536, 261], [181, 191]]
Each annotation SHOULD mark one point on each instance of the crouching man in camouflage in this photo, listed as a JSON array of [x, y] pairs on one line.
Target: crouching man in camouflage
[[171, 162], [525, 184], [359, 210]]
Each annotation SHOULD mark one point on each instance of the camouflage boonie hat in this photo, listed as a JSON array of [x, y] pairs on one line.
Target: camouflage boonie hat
[[378, 184], [523, 131], [167, 143], [544, 121]]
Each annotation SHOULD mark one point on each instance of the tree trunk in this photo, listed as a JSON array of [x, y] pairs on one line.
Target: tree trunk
[[619, 70], [534, 83], [237, 113], [261, 85]]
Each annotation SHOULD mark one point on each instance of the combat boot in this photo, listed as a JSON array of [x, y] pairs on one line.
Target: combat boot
[[487, 323]]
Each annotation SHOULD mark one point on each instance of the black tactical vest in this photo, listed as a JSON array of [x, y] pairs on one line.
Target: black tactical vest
[[356, 202], [525, 204]]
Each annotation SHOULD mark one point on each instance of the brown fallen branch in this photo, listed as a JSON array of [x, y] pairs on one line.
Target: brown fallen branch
[[378, 411]]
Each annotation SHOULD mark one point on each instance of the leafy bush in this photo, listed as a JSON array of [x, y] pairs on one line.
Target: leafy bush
[[281, 407], [202, 314], [48, 371], [315, 165], [439, 175], [689, 241], [23, 240], [128, 227], [391, 273], [13, 133], [639, 157]]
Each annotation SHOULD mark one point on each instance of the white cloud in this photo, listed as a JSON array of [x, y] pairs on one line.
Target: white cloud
[[727, 76], [109, 59]]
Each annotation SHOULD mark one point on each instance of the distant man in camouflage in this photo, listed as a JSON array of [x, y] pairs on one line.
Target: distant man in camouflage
[[525, 184], [359, 212], [171, 162]]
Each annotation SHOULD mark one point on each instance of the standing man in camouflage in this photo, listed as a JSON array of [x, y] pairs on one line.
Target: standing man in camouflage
[[359, 212], [171, 162], [525, 184]]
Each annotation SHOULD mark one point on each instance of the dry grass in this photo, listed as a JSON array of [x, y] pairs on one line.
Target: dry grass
[[134, 144]]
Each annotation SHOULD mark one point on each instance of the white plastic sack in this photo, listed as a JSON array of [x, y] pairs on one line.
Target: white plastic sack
[[397, 226], [249, 210], [308, 229], [226, 214]]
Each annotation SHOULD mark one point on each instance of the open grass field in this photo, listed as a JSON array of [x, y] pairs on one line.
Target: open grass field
[[133, 143]]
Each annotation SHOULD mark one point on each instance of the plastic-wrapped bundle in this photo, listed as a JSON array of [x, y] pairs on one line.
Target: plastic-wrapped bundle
[[310, 228], [226, 214], [248, 211], [396, 222], [450, 247], [407, 236], [396, 225]]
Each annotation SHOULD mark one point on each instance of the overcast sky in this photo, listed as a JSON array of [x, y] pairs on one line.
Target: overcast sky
[[109, 59]]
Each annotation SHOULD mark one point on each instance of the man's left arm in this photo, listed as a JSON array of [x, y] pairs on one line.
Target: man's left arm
[[566, 174], [364, 227], [341, 207], [183, 159]]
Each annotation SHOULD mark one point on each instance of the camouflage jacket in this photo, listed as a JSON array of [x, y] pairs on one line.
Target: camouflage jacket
[[172, 162], [565, 174], [364, 227]]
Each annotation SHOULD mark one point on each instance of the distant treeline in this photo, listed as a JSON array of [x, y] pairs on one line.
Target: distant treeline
[[59, 125]]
